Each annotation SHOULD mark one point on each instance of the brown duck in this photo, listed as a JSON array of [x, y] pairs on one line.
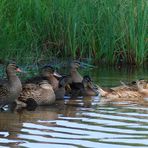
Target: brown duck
[[47, 73], [75, 75], [126, 93], [76, 86], [63, 84], [131, 86], [80, 86], [42, 93], [10, 89], [89, 88], [57, 81], [85, 88]]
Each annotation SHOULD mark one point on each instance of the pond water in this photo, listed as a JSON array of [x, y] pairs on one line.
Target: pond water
[[80, 122]]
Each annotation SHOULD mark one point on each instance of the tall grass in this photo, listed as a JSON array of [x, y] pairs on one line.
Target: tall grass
[[108, 31]]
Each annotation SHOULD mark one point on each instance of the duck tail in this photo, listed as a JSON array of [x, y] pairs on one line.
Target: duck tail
[[101, 91]]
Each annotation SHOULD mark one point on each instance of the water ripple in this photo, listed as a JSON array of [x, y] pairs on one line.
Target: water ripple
[[76, 126]]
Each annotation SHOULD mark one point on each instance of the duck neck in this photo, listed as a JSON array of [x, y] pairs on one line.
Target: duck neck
[[75, 75], [140, 88], [54, 82], [14, 81]]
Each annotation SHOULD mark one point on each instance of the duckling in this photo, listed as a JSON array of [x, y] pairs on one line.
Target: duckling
[[10, 89], [41, 93]]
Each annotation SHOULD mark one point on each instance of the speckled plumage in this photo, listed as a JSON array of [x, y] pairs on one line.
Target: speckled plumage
[[10, 89], [42, 93], [126, 93]]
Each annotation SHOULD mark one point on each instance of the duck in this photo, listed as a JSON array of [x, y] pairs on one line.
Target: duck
[[76, 86], [89, 87], [85, 88], [64, 87], [75, 75], [81, 85], [125, 93], [131, 86], [10, 88], [57, 81], [36, 94], [47, 73]]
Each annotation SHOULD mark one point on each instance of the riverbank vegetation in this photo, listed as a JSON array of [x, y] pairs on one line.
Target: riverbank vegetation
[[105, 31]]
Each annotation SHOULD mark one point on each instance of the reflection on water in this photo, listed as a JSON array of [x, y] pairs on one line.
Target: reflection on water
[[81, 122]]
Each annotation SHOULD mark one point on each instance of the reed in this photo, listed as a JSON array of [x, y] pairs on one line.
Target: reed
[[105, 31]]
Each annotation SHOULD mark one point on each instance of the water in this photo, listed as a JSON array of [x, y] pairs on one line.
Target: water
[[81, 122]]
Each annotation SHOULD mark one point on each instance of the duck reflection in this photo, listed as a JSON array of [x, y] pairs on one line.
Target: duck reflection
[[12, 123]]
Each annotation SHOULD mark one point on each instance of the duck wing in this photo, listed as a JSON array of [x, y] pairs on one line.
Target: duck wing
[[4, 91], [36, 79]]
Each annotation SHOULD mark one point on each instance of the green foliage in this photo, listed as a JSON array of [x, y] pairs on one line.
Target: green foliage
[[110, 31]]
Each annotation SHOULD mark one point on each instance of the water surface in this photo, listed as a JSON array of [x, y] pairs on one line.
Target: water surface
[[80, 122]]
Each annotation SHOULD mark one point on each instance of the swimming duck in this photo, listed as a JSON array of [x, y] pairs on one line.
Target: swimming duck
[[89, 88], [11, 88], [85, 88], [57, 81], [75, 75], [47, 73], [42, 93], [63, 87], [77, 87], [81, 85]]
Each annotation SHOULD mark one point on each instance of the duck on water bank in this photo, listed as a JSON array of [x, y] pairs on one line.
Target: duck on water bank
[[132, 85], [11, 88], [125, 93]]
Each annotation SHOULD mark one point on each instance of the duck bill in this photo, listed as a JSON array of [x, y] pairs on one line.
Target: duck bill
[[18, 70], [57, 74]]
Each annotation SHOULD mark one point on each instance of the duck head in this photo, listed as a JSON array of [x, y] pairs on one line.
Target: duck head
[[75, 65], [89, 87], [48, 70], [12, 69]]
